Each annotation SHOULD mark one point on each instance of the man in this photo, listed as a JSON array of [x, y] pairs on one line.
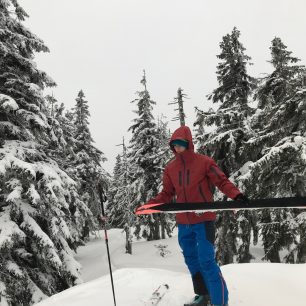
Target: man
[[191, 177]]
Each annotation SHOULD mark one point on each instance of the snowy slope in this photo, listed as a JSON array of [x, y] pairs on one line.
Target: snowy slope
[[256, 284]]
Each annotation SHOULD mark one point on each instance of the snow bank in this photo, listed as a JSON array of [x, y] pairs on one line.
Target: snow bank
[[249, 285], [137, 276]]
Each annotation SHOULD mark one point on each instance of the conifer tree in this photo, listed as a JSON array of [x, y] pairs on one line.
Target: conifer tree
[[179, 100], [282, 82], [145, 156], [123, 193], [85, 164], [225, 142], [122, 211], [201, 135], [279, 165], [40, 210], [58, 145], [114, 210], [235, 85], [166, 220]]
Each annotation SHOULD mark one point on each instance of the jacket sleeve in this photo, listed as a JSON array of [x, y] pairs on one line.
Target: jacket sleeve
[[219, 179], [167, 192]]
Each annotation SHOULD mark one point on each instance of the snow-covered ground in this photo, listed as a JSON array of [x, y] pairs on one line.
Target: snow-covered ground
[[136, 276]]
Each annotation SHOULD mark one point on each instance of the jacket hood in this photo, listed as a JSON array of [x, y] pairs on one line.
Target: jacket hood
[[183, 132]]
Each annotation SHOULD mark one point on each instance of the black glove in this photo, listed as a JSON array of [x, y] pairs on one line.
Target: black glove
[[242, 197]]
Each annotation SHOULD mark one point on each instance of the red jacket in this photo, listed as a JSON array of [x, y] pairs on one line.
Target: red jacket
[[190, 177]]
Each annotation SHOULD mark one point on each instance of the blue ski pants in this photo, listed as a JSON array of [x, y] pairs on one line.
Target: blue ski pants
[[197, 244]]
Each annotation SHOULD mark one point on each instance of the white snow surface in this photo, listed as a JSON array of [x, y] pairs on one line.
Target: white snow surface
[[137, 276]]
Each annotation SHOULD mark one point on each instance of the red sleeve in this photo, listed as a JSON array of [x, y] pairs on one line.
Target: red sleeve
[[167, 192], [219, 179]]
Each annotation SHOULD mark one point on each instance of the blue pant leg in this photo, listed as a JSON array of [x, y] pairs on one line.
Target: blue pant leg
[[210, 270], [188, 244]]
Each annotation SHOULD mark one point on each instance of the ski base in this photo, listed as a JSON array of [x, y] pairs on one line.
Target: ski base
[[289, 202]]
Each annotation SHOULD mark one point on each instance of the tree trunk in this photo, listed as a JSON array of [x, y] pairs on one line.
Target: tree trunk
[[128, 241]]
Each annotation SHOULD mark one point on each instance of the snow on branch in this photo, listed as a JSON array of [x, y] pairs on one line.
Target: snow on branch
[[8, 229], [46, 244], [7, 103]]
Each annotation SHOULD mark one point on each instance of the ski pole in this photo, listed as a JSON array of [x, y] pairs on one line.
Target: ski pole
[[102, 200]]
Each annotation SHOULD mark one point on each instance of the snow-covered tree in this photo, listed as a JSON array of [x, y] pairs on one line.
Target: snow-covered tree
[[283, 81], [235, 85], [227, 130], [145, 155], [279, 146], [114, 210], [85, 161], [40, 211], [120, 210], [59, 144], [165, 155], [201, 132], [123, 193]]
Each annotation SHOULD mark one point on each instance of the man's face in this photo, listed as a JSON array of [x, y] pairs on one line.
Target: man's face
[[179, 149]]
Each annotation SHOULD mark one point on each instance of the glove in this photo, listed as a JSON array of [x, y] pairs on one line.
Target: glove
[[242, 197]]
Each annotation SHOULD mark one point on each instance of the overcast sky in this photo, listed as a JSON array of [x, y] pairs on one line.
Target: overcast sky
[[103, 46]]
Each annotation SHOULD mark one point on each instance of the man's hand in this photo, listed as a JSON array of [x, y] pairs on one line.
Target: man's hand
[[242, 197]]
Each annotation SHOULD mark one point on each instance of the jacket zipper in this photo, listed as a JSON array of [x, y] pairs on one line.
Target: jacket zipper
[[184, 178], [184, 181], [180, 178], [202, 193], [188, 172]]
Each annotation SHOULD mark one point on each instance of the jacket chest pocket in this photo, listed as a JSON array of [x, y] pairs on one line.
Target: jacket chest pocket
[[184, 178], [188, 177]]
